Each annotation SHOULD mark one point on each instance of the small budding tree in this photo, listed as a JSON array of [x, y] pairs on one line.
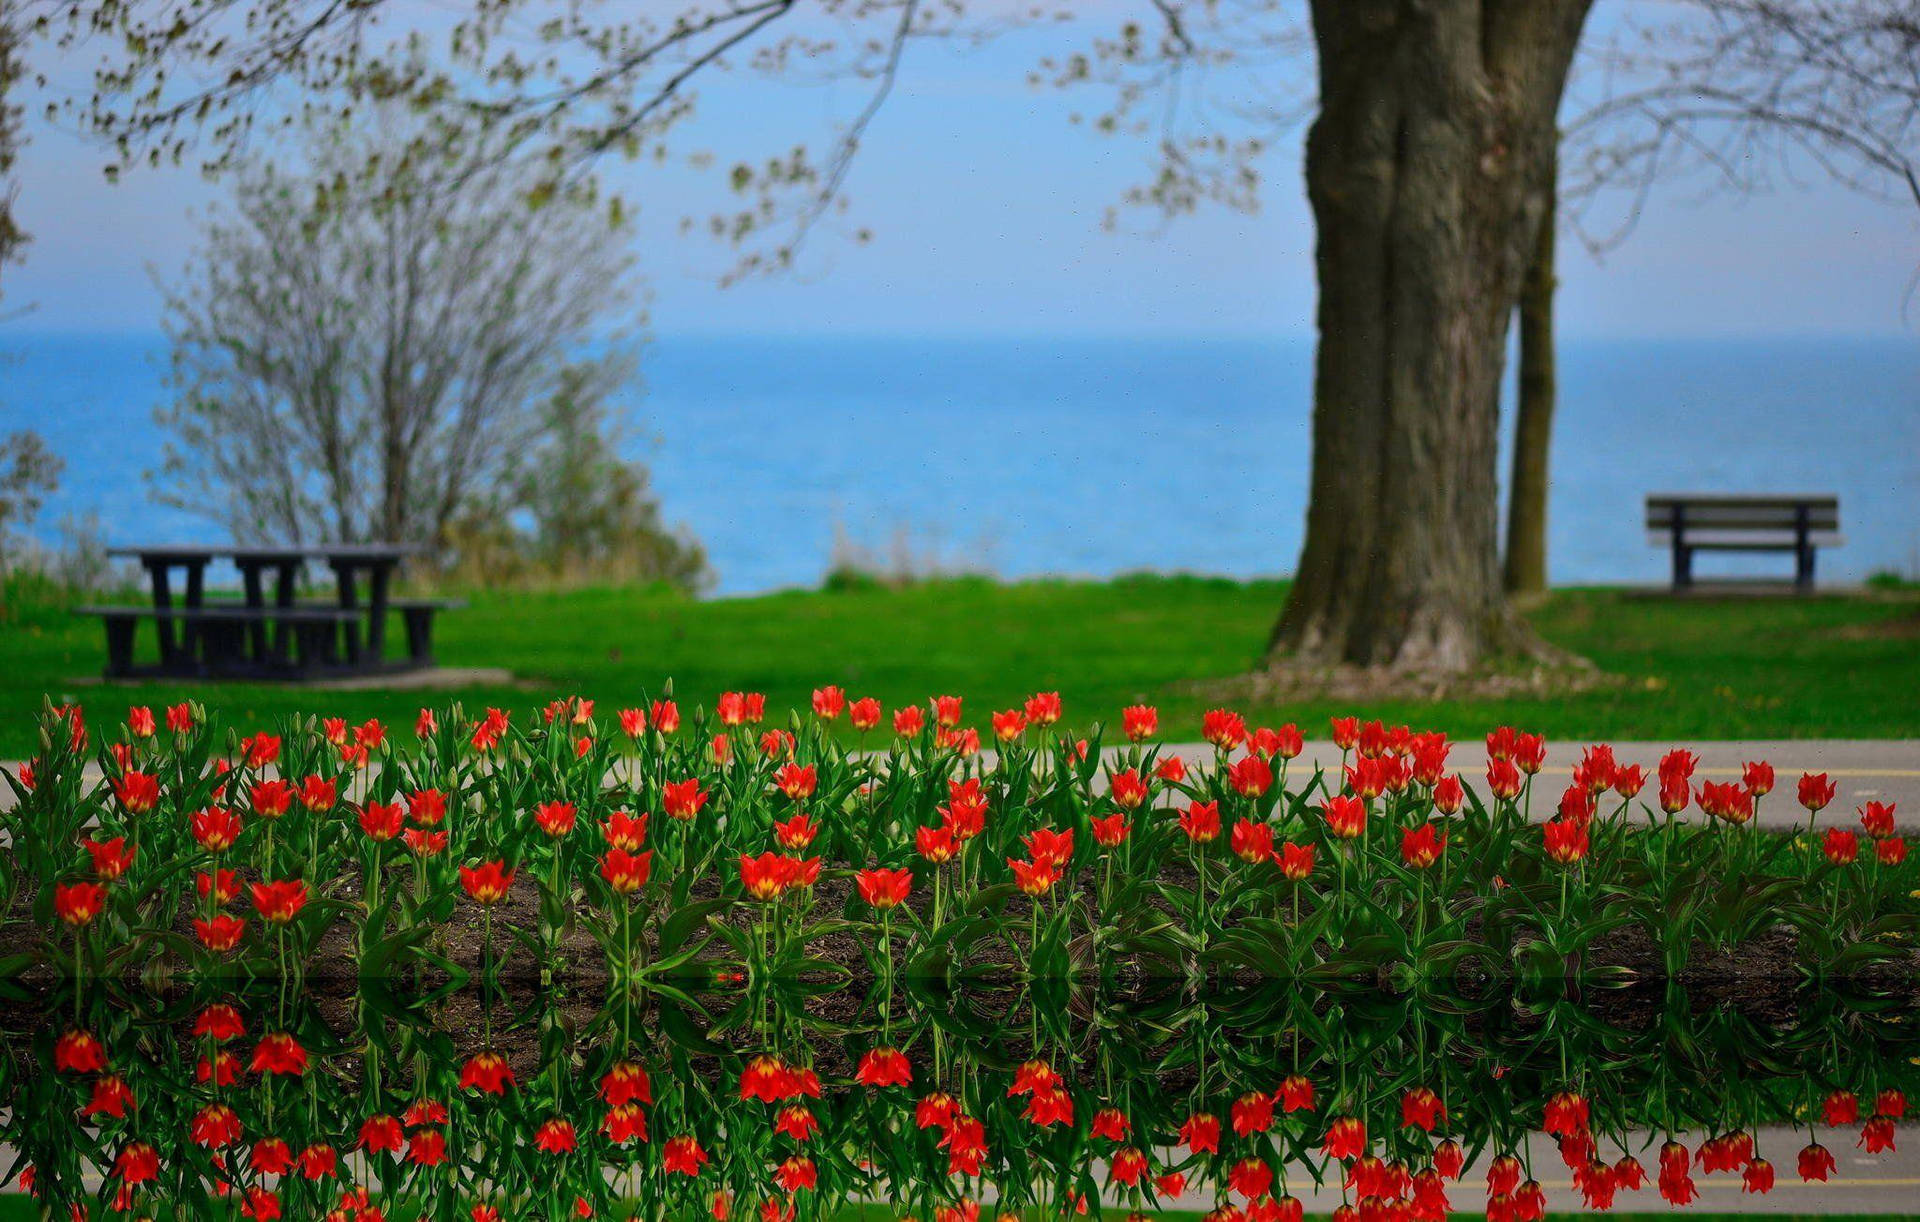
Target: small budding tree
[[385, 342]]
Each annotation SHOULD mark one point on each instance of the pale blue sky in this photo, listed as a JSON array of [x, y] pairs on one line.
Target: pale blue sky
[[985, 204]]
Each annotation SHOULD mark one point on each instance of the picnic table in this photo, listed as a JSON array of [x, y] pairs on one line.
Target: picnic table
[[258, 638]]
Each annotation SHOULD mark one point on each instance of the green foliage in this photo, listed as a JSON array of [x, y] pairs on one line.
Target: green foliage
[[1823, 667]]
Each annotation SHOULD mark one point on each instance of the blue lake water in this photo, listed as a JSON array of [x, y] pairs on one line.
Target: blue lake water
[[1100, 456]]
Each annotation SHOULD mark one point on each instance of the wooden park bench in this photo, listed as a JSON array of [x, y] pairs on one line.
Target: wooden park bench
[[270, 638], [1685, 524]]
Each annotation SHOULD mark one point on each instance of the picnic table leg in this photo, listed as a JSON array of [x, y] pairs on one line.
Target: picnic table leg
[[378, 579], [283, 591], [196, 595], [162, 604], [343, 579], [256, 601]]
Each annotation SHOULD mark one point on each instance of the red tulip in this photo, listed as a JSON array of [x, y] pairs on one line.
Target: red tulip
[[140, 721], [111, 858], [828, 702], [1840, 845], [78, 903], [1345, 732], [946, 711], [137, 1163], [682, 799], [1034, 878], [220, 933], [1840, 1108], [1295, 861], [1346, 816], [1296, 1093], [1816, 1163], [487, 1072], [1201, 1133], [1566, 842], [1224, 729], [795, 1173], [318, 793], [1877, 818], [1420, 847], [1891, 851], [382, 821], [1816, 791], [1201, 822], [279, 1053], [1250, 776], [625, 831], [424, 842], [1876, 1136], [884, 888], [1346, 1138], [626, 872], [795, 780], [1110, 831], [1139, 721], [1128, 1166], [1043, 708], [1008, 724], [936, 844], [1050, 848], [487, 882], [137, 791], [1421, 1109], [1128, 791], [1252, 1113], [1503, 779], [884, 1067], [556, 819], [1250, 1177], [1757, 776], [1758, 1176], [279, 901], [683, 1156], [1251, 841]]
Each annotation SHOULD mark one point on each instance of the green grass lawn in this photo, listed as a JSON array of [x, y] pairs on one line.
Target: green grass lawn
[[1830, 666]]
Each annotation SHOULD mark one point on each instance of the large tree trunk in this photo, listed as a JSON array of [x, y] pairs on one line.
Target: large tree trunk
[[1533, 414], [1423, 168]]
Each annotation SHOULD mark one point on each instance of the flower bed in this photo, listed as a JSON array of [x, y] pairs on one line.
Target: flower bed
[[714, 846]]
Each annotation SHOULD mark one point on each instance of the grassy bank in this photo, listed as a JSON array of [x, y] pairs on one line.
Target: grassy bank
[[1717, 669]]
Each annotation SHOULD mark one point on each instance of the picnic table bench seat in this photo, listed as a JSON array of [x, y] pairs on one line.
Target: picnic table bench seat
[[226, 639], [1687, 523]]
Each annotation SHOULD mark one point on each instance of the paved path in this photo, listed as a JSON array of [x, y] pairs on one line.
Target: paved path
[[1863, 1183], [1879, 770], [1864, 769]]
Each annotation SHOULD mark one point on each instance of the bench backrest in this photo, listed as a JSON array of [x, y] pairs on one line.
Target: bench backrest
[[1737, 513]]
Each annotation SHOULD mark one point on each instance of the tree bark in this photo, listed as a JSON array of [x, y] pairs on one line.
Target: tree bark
[[1423, 172], [1526, 571]]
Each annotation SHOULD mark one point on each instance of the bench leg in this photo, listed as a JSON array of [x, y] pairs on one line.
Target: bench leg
[[1682, 567], [419, 622], [120, 646], [1803, 568]]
